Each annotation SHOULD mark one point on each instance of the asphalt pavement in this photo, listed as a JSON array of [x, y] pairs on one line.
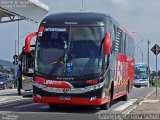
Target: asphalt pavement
[[26, 109], [10, 96]]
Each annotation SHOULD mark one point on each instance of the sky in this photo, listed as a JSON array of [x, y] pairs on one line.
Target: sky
[[140, 17]]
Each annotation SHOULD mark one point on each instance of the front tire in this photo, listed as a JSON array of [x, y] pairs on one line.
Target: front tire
[[109, 103], [106, 106], [125, 97], [53, 106]]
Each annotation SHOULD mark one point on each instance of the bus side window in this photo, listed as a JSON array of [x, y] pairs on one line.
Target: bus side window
[[119, 40], [113, 37], [27, 64]]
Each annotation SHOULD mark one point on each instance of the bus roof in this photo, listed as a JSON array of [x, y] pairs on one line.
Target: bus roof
[[80, 18], [76, 18]]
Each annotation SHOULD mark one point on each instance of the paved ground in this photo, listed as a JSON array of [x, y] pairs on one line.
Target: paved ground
[[24, 110], [147, 108], [8, 92], [150, 105], [10, 95]]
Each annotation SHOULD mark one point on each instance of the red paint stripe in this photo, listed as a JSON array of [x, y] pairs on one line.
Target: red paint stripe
[[39, 80], [52, 83], [73, 100]]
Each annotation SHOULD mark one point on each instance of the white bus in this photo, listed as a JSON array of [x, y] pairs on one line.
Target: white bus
[[141, 77]]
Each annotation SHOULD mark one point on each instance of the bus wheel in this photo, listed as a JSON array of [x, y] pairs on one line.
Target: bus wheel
[[109, 103], [53, 106], [125, 97], [105, 106]]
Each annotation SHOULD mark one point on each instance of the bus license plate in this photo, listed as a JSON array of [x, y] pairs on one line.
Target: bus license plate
[[66, 98]]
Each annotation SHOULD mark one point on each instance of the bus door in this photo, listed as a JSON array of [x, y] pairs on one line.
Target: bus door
[[27, 69]]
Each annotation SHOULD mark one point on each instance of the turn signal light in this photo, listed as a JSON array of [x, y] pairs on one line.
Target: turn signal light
[[91, 81]]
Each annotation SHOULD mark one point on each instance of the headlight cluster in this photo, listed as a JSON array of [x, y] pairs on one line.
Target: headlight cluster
[[1, 82]]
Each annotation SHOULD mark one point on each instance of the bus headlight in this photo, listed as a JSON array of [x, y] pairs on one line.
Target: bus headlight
[[23, 78], [1, 82]]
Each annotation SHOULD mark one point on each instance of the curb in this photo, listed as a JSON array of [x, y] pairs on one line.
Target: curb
[[147, 96], [137, 103]]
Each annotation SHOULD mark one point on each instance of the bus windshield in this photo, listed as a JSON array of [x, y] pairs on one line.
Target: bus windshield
[[69, 51], [141, 72]]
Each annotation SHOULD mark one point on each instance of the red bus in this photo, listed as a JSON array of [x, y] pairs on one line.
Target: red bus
[[81, 59]]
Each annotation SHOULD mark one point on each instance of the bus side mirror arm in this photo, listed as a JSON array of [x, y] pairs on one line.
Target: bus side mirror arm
[[28, 41], [107, 44]]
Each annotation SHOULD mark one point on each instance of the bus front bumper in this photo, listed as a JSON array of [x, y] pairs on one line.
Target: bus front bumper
[[141, 83], [61, 100]]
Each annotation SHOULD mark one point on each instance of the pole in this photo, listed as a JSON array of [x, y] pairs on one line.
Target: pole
[[142, 56], [148, 63], [141, 53], [18, 37], [15, 58], [138, 43], [19, 82], [82, 6], [156, 70]]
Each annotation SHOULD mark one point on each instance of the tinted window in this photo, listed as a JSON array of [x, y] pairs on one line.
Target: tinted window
[[75, 49]]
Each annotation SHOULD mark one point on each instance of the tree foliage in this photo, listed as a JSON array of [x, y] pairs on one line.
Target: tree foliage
[[5, 70]]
